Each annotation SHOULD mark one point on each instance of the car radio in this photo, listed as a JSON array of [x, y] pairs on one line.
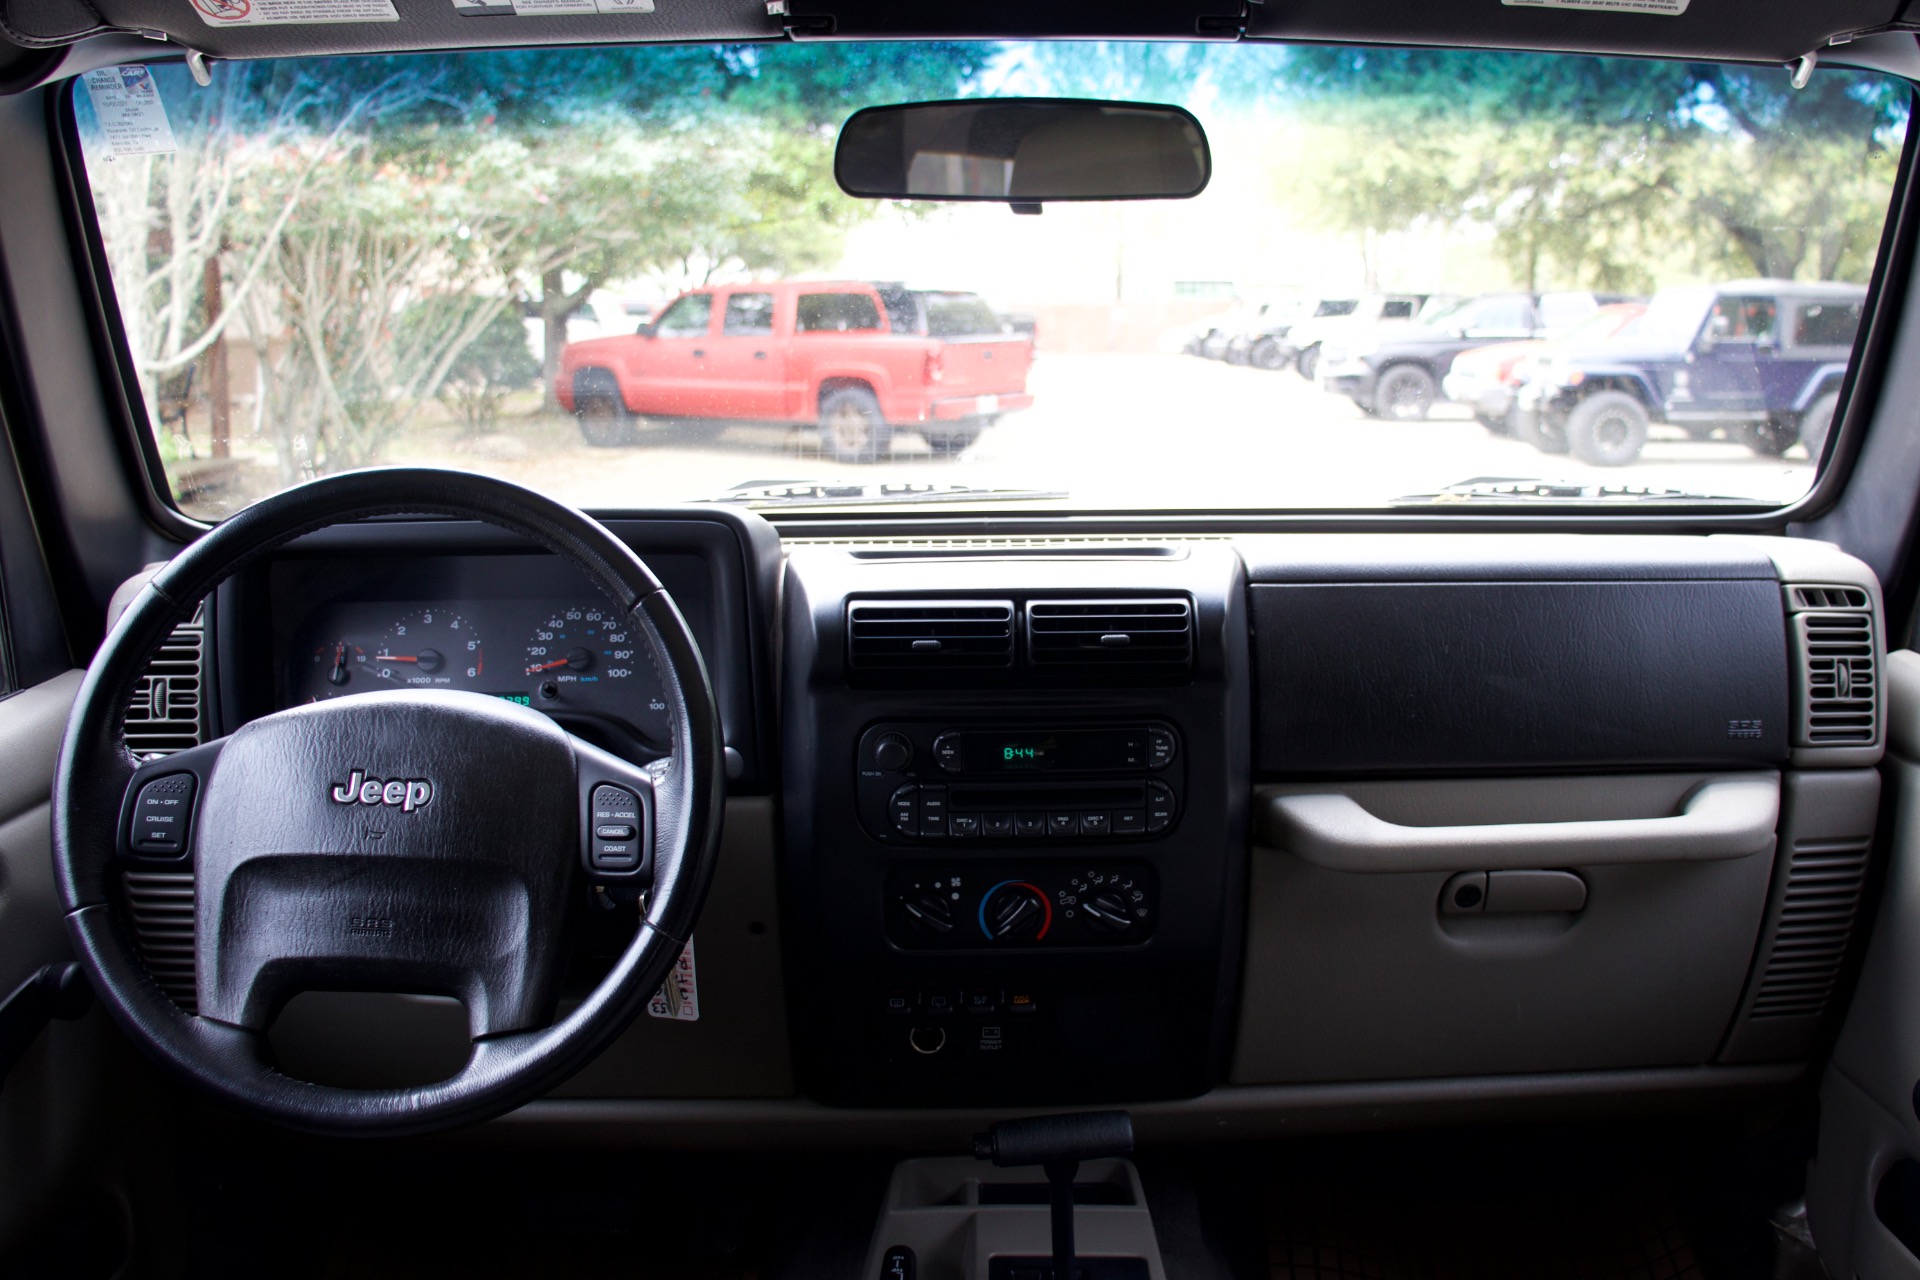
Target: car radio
[[934, 782]]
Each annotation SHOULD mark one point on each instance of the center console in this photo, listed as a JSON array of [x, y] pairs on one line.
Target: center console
[[1014, 791]]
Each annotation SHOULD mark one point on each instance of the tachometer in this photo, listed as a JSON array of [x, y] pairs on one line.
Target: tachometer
[[430, 648]]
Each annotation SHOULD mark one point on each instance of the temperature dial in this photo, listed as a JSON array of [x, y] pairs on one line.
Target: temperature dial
[[1015, 911]]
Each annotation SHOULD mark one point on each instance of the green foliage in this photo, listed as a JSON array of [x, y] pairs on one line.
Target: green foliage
[[1609, 173]]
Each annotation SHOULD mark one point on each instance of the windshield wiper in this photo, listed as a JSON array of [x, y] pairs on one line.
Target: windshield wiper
[[819, 493], [1528, 491]]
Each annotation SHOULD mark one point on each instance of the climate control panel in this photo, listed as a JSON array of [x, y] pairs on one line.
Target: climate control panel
[[1015, 906]]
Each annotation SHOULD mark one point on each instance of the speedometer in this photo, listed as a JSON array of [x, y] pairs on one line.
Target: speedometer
[[586, 659], [430, 648]]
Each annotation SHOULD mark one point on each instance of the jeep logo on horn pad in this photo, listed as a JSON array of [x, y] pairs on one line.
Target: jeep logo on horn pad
[[406, 793]]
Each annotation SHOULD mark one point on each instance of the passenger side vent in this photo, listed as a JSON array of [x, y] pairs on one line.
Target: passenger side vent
[[164, 714], [1824, 883], [160, 905], [1829, 598], [1839, 678], [1137, 634], [930, 635]]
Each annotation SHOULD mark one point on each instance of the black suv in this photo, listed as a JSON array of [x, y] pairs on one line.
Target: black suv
[[1396, 372], [1758, 361]]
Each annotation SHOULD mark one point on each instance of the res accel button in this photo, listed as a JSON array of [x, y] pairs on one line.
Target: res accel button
[[161, 814], [615, 843]]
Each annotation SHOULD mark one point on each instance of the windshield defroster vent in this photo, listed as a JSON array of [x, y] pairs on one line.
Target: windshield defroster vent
[[1836, 650], [1137, 634], [929, 635]]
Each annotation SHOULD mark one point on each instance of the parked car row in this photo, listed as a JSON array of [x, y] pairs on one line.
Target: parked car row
[[1753, 362]]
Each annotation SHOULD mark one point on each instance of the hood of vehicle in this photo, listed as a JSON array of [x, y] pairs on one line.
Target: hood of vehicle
[[1489, 358]]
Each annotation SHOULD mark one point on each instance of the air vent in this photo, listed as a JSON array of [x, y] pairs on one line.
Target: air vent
[[1829, 598], [1111, 633], [160, 905], [1840, 703], [1824, 884], [164, 714], [929, 635]]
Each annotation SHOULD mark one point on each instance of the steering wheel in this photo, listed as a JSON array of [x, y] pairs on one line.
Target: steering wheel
[[407, 840]]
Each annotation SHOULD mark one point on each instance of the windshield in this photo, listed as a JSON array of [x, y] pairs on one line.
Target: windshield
[[625, 276]]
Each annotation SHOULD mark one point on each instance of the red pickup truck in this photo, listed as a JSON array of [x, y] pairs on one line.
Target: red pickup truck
[[857, 359]]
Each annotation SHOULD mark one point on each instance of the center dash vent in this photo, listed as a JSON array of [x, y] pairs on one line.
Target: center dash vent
[[164, 714], [929, 635], [1833, 633], [1111, 633]]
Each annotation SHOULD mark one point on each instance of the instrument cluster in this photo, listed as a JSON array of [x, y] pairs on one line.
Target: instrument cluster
[[566, 657]]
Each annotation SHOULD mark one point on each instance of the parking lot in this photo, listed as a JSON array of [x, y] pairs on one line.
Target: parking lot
[[1132, 431]]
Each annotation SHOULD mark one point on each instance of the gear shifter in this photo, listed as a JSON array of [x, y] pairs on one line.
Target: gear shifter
[[1058, 1144]]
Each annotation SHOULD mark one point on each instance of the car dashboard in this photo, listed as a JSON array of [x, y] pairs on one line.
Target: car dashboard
[[1247, 833]]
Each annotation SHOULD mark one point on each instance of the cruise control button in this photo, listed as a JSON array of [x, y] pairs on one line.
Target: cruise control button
[[161, 814], [615, 845]]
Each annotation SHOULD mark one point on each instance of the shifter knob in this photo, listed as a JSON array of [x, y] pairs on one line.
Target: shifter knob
[[1080, 1135]]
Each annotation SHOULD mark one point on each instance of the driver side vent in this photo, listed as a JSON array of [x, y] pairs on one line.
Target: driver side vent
[[1834, 640], [163, 716], [1136, 634], [929, 635]]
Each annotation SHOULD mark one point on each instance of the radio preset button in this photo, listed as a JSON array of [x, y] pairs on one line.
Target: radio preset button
[[1095, 824], [1030, 824], [996, 825], [1063, 824], [964, 824]]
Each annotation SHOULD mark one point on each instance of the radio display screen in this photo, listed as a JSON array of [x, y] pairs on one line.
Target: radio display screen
[[1121, 748], [1024, 754]]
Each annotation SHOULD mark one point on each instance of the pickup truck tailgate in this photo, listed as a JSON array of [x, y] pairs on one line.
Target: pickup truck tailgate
[[984, 366]]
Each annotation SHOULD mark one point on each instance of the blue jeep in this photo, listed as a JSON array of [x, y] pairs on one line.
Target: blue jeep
[[1759, 361]]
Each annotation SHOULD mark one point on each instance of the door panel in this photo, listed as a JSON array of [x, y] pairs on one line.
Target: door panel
[[63, 1101], [747, 363], [1867, 1114]]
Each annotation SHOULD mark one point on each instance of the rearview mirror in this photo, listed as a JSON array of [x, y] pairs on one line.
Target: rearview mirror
[[1023, 151]]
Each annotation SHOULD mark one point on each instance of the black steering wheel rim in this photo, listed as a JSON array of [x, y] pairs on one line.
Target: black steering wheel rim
[[506, 1071]]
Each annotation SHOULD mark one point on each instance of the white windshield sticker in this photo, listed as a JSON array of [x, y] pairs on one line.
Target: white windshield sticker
[[132, 118], [292, 13], [679, 996], [1660, 8], [548, 8]]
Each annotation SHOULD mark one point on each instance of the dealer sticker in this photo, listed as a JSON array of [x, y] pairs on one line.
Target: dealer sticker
[[678, 998], [1659, 8], [547, 8], [292, 13], [132, 118]]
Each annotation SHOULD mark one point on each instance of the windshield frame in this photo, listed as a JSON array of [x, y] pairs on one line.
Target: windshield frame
[[1887, 297]]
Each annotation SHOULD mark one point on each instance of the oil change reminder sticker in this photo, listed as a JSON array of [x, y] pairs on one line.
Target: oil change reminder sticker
[[547, 8], [132, 118], [292, 13], [1659, 8]]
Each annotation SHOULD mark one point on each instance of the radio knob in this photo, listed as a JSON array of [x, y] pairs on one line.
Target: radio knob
[[893, 752], [1108, 911], [946, 752]]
